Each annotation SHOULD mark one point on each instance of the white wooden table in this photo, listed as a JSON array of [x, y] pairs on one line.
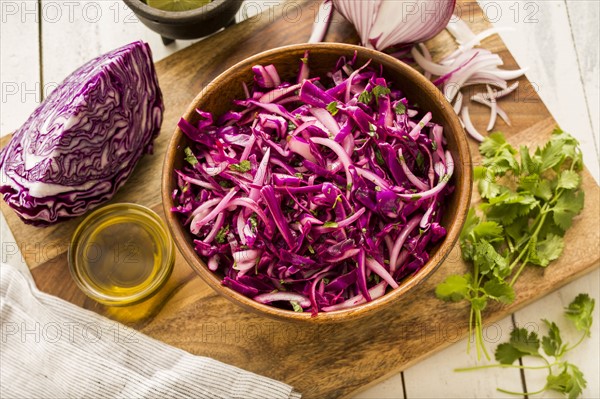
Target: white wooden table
[[41, 41]]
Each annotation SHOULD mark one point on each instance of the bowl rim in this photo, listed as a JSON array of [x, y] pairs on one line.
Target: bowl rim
[[444, 249], [207, 11]]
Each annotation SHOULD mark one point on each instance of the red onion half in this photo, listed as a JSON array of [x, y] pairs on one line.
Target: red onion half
[[383, 23]]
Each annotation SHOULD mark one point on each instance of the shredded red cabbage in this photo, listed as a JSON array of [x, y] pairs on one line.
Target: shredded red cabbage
[[315, 195]]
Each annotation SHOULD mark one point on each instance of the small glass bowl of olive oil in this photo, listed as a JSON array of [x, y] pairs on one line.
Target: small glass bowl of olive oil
[[121, 254]]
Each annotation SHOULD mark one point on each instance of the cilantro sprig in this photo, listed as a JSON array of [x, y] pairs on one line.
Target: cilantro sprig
[[563, 376], [528, 203]]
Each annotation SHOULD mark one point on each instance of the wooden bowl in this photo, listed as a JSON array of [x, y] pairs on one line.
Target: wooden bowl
[[217, 98]]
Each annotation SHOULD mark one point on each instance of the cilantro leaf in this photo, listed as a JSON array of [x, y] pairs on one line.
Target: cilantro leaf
[[499, 290], [537, 186], [580, 312], [332, 108], [503, 161], [507, 354], [551, 155], [569, 204], [190, 157], [569, 147], [569, 179], [543, 252], [454, 288], [506, 207], [570, 381], [529, 165], [470, 223], [492, 144], [488, 230], [487, 259], [479, 303], [524, 341], [330, 224], [241, 167], [488, 188], [552, 343]]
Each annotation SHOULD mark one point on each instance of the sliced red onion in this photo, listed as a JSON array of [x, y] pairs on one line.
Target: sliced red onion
[[458, 103], [321, 22], [276, 94], [427, 56], [198, 222], [204, 208], [466, 119], [502, 93], [248, 203], [339, 151], [339, 225], [509, 75], [461, 31], [493, 109], [326, 119], [409, 174], [283, 296], [378, 269], [469, 66], [213, 263], [197, 182], [215, 229], [245, 260], [414, 133], [375, 292], [477, 39], [440, 186], [478, 99], [410, 226]]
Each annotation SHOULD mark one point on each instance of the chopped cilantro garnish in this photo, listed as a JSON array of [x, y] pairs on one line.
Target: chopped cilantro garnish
[[190, 157], [221, 237], [332, 108], [296, 306], [400, 108], [241, 167], [365, 97]]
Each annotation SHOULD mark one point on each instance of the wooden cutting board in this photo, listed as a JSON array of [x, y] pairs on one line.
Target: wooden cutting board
[[319, 361]]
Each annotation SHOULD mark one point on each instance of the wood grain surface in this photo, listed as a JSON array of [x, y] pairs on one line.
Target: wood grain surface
[[320, 361]]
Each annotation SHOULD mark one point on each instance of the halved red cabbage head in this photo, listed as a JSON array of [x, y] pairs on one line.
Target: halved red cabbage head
[[81, 144]]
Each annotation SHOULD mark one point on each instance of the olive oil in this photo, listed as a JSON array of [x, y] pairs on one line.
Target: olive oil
[[120, 255]]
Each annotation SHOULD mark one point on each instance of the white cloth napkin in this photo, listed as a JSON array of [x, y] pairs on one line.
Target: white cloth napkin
[[51, 348]]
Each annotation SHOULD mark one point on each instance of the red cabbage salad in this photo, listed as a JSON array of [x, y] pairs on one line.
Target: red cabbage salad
[[317, 194]]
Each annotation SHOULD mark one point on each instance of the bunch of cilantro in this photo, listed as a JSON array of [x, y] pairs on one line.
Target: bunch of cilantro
[[528, 203], [563, 376]]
